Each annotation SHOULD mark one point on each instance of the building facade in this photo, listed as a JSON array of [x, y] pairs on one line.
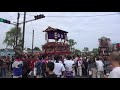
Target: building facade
[[6, 52]]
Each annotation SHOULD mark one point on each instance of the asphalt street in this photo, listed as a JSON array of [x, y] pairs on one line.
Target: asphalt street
[[9, 75]]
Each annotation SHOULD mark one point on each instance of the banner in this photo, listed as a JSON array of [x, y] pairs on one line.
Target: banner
[[56, 35]]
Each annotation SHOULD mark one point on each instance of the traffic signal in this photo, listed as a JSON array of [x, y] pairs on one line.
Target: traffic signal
[[39, 16], [4, 20]]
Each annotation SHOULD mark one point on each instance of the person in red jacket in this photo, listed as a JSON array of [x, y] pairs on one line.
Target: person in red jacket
[[31, 63]]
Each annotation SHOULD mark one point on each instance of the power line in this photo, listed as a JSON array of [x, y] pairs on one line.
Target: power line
[[85, 16], [76, 16], [81, 16]]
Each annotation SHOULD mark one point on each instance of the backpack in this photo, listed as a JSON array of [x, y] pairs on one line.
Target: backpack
[[68, 73]]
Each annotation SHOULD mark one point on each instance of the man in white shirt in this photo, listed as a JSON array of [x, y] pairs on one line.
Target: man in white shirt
[[115, 73], [115, 61], [69, 65], [59, 67], [79, 67], [100, 68]]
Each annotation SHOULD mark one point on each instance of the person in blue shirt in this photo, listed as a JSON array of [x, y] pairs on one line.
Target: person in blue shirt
[[38, 65], [17, 67]]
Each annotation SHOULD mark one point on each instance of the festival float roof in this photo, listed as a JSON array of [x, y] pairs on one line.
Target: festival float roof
[[104, 38], [49, 29]]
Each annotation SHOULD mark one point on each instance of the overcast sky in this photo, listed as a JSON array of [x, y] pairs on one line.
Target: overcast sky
[[84, 30]]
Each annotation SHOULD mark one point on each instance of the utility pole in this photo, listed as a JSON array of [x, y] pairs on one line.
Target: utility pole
[[32, 41], [24, 20], [17, 28]]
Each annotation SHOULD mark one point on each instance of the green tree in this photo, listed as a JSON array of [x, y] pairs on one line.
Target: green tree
[[71, 44], [10, 38], [77, 52], [86, 49], [37, 48], [28, 48], [95, 51]]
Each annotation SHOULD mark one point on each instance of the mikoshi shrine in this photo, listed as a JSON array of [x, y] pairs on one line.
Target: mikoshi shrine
[[59, 45]]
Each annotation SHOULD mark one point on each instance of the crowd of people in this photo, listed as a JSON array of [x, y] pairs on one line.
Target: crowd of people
[[43, 66]]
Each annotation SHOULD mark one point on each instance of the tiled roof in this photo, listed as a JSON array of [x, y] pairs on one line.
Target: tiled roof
[[53, 29]]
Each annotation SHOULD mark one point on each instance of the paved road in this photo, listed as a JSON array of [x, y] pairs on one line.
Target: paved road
[[9, 75]]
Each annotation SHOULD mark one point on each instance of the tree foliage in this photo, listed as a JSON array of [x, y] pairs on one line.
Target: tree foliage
[[71, 44], [95, 51], [37, 48], [76, 52], [10, 38], [86, 49], [28, 48]]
